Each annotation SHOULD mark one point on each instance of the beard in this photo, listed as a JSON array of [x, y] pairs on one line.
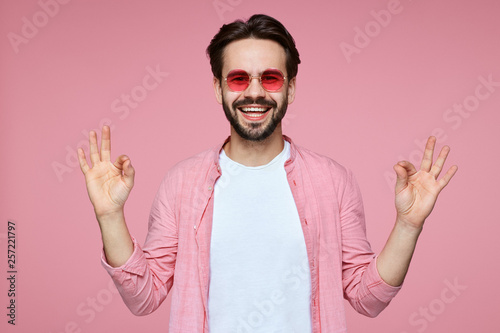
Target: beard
[[255, 131]]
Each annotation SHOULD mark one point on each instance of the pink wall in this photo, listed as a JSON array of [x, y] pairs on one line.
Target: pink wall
[[369, 90]]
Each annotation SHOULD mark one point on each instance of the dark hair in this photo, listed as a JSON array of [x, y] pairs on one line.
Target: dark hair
[[258, 26]]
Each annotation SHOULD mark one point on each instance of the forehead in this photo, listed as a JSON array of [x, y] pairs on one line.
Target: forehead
[[254, 55]]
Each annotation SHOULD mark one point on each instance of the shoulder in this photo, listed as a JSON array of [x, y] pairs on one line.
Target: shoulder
[[196, 162], [189, 174], [320, 163], [194, 168], [327, 175]]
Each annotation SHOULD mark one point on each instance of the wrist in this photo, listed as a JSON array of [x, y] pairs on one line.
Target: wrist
[[110, 216], [409, 228]]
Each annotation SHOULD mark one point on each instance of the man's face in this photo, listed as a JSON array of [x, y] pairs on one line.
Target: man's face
[[254, 113]]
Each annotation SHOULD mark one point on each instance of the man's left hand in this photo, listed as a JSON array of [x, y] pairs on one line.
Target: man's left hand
[[417, 191]]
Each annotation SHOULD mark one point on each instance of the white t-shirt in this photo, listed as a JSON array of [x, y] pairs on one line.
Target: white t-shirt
[[259, 274]]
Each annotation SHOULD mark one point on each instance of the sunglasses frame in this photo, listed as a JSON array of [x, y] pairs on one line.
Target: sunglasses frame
[[256, 77]]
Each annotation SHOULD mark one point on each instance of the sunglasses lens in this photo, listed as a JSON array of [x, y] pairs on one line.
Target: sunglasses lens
[[238, 80], [272, 79]]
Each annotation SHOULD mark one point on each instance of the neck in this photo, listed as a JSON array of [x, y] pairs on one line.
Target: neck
[[254, 153]]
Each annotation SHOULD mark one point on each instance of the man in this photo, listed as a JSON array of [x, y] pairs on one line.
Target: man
[[257, 234]]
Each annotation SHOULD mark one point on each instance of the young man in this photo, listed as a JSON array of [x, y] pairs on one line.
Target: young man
[[257, 234]]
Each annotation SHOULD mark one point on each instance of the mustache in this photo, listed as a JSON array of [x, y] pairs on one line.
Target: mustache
[[259, 101]]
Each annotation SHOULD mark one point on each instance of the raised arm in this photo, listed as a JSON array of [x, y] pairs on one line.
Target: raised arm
[[416, 194], [109, 185]]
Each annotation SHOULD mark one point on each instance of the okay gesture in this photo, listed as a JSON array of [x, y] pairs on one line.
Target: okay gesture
[[417, 191]]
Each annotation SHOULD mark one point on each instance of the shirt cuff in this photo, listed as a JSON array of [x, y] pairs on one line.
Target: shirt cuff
[[383, 291], [136, 264]]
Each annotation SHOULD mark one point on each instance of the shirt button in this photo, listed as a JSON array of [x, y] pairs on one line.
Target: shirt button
[[210, 188], [194, 227]]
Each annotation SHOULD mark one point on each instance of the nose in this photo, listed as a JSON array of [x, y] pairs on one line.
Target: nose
[[254, 89]]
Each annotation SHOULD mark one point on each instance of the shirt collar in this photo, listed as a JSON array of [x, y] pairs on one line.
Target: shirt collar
[[217, 150]]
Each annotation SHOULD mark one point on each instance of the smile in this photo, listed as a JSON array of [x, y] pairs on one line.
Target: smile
[[254, 113]]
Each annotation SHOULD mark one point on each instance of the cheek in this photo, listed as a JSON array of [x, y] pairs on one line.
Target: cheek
[[227, 99], [282, 99], [230, 97]]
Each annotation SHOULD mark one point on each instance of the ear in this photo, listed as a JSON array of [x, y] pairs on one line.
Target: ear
[[218, 90], [291, 90]]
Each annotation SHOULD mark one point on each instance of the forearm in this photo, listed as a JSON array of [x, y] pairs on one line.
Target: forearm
[[394, 260], [116, 240]]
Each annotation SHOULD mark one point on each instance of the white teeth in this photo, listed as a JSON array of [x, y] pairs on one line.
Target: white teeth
[[253, 115], [254, 109]]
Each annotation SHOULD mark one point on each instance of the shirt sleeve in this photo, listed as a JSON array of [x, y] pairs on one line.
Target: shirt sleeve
[[363, 287], [146, 278]]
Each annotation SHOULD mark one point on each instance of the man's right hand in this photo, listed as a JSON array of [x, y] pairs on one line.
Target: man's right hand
[[108, 184]]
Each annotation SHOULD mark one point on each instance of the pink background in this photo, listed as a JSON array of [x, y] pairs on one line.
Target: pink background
[[365, 110]]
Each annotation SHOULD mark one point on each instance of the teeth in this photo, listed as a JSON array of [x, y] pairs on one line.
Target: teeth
[[254, 109], [253, 115]]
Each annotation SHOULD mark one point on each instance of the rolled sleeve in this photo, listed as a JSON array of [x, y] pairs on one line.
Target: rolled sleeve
[[136, 264], [377, 286], [375, 294]]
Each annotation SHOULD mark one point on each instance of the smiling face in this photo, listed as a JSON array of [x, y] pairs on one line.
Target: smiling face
[[254, 114]]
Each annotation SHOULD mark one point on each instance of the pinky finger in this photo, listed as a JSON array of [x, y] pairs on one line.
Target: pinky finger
[[83, 161], [447, 177]]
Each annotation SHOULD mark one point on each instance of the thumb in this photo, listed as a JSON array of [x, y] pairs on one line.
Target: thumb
[[128, 173], [402, 176], [124, 164]]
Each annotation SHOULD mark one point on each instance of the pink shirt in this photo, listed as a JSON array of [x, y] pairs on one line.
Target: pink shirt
[[177, 246]]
